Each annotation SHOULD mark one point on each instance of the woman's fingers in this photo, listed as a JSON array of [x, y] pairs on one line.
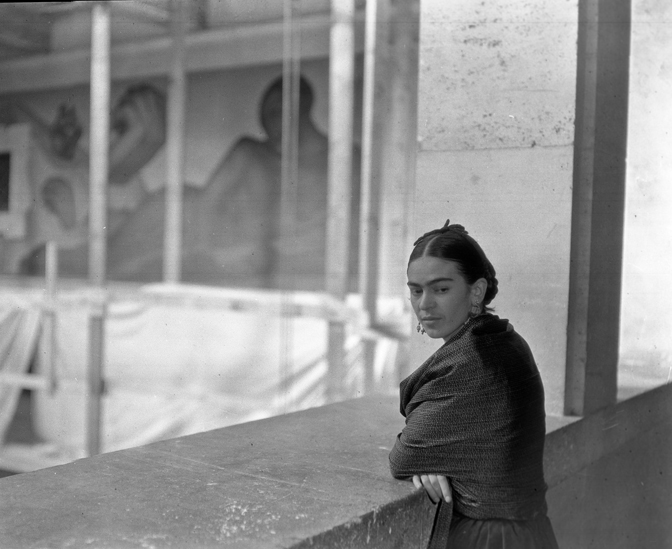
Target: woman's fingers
[[436, 486], [434, 479], [444, 486], [429, 488]]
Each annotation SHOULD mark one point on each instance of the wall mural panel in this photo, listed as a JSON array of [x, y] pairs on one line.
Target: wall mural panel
[[231, 214]]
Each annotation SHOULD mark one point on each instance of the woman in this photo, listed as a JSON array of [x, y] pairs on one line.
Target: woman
[[475, 420]]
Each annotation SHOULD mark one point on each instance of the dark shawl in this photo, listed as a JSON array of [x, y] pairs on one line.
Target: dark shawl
[[475, 413]]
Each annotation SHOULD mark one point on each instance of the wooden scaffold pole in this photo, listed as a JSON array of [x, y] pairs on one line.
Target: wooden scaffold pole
[[341, 102], [289, 179], [375, 101], [98, 180], [172, 255]]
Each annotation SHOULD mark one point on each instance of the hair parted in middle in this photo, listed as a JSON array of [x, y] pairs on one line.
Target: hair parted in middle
[[454, 243]]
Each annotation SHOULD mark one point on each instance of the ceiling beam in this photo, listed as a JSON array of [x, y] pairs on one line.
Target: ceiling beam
[[214, 49], [23, 31]]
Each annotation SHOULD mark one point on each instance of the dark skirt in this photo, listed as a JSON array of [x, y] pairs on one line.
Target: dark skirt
[[467, 533]]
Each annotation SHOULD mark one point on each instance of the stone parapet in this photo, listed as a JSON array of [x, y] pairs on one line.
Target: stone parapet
[[316, 478]]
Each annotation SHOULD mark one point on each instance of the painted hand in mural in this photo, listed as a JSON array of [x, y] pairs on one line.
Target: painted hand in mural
[[59, 199], [138, 130], [65, 132]]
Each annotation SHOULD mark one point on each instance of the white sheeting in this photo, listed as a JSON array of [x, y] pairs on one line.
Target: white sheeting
[[19, 328], [174, 369]]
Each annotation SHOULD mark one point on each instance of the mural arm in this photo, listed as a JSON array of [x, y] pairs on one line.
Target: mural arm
[[15, 112], [227, 178], [138, 131]]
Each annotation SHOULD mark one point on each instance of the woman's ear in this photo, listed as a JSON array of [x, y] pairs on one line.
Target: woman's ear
[[478, 290]]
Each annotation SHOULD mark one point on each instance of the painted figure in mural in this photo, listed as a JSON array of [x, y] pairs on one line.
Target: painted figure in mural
[[137, 132], [243, 200], [475, 419], [231, 227], [59, 172], [56, 173]]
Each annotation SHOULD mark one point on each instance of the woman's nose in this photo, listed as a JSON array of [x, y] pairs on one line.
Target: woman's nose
[[426, 301]]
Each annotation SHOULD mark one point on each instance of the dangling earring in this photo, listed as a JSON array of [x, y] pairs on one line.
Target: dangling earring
[[475, 310], [420, 329]]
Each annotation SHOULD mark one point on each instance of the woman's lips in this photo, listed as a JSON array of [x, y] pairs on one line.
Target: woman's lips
[[430, 319]]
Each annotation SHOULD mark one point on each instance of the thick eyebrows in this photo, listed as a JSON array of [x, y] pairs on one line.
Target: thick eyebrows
[[430, 282]]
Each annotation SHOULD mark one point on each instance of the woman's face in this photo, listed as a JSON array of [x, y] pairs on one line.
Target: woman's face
[[440, 295]]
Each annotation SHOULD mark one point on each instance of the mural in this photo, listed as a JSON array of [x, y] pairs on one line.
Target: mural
[[59, 170], [233, 234]]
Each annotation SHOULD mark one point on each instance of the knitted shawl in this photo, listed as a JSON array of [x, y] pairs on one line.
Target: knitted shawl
[[475, 413]]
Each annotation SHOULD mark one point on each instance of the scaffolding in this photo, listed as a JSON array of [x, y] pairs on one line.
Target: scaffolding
[[175, 56]]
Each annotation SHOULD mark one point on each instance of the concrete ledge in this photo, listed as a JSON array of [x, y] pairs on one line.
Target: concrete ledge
[[317, 478], [610, 475], [575, 446]]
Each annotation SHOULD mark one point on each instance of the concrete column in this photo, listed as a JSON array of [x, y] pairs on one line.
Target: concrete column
[[400, 149], [597, 205]]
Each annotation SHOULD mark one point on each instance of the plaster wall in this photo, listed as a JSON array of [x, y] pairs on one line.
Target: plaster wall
[[495, 134], [646, 348]]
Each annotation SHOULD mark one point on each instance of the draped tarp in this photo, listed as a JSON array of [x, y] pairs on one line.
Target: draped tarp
[[173, 368], [19, 328]]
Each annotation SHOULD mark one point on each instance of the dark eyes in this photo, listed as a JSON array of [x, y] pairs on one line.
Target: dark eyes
[[416, 292]]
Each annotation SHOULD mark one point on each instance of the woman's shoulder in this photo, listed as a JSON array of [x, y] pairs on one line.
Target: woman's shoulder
[[490, 327], [490, 324], [496, 340]]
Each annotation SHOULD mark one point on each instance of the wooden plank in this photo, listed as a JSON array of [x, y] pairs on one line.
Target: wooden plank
[[598, 203], [218, 49], [25, 381], [49, 343], [74, 295]]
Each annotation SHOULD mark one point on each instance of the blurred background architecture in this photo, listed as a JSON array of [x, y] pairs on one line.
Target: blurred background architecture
[[182, 249]]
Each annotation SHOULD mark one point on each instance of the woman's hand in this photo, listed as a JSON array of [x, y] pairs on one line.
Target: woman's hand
[[437, 487]]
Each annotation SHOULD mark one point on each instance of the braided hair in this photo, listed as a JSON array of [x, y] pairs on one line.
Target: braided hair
[[453, 243]]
